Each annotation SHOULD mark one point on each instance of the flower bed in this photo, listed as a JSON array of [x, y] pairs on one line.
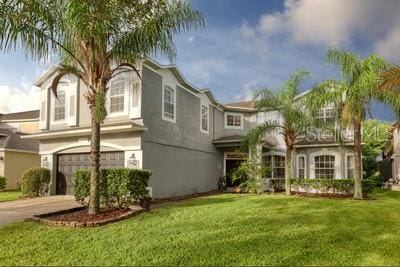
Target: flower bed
[[78, 217]]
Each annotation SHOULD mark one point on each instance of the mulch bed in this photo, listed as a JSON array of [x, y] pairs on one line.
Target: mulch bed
[[78, 217]]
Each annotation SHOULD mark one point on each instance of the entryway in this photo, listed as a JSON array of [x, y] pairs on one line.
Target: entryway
[[232, 161]]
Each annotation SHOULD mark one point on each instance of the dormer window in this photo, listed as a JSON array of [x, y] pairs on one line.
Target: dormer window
[[117, 95], [233, 121], [59, 104]]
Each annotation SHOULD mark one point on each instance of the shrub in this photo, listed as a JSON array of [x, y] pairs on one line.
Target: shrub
[[250, 175], [118, 187], [376, 179], [330, 186], [35, 182], [3, 183]]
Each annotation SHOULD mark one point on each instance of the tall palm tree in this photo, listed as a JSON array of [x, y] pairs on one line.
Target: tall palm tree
[[94, 40], [294, 118], [356, 90]]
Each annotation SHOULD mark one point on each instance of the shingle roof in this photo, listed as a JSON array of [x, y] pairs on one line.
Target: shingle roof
[[25, 115], [243, 104], [9, 139], [231, 138]]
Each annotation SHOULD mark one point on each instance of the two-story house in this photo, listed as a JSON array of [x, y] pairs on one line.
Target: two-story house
[[14, 150], [163, 123]]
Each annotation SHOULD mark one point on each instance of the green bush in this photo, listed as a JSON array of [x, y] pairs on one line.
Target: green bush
[[118, 187], [335, 186], [251, 175], [35, 182], [3, 183], [376, 179]]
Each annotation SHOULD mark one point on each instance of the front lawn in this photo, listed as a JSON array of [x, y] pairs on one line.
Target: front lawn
[[223, 230], [9, 195]]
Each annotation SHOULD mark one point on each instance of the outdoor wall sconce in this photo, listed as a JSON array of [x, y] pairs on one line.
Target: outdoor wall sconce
[[132, 161], [1, 158]]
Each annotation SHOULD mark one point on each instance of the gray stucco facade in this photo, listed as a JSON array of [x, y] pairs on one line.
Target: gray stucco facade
[[188, 146]]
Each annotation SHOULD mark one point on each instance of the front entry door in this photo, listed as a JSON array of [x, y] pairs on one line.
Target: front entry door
[[231, 165]]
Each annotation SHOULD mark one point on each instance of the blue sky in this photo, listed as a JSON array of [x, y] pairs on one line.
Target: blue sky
[[248, 44]]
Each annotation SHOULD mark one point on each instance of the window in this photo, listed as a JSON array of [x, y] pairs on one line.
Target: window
[[301, 164], [325, 167], [325, 115], [279, 167], [204, 118], [276, 164], [233, 120], [59, 106], [169, 103], [350, 166], [117, 95]]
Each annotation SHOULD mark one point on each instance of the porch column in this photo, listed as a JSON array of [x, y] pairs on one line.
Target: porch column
[[49, 162]]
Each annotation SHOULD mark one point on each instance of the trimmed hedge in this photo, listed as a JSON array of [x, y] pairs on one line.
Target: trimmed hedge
[[323, 186], [118, 187], [3, 183], [35, 182]]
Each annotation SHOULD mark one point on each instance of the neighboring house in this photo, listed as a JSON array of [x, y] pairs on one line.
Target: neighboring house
[[17, 154], [163, 123]]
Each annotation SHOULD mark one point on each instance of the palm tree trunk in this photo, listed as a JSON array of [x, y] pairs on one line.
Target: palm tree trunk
[[357, 162], [94, 199], [288, 169]]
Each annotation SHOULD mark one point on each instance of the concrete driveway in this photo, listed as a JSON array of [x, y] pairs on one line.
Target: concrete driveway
[[19, 210]]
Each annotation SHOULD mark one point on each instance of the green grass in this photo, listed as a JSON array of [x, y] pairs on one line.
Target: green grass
[[223, 230], [9, 195]]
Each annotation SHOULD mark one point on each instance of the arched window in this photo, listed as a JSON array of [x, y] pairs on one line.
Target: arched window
[[324, 167]]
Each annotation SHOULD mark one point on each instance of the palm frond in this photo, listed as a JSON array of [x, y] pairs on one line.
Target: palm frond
[[390, 79], [256, 134]]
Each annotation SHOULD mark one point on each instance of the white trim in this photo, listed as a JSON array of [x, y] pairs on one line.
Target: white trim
[[68, 133], [162, 104], [201, 118], [17, 150], [87, 143], [297, 165], [322, 152], [21, 120], [225, 159], [226, 126]]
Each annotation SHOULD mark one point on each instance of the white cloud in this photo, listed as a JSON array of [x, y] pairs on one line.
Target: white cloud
[[19, 99], [333, 22], [389, 47]]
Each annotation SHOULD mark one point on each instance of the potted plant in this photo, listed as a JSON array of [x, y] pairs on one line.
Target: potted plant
[[145, 202]]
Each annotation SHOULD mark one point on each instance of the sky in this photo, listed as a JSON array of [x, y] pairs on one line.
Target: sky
[[251, 44]]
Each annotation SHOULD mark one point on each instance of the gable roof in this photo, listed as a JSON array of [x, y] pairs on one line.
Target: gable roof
[[244, 104], [25, 115], [9, 139]]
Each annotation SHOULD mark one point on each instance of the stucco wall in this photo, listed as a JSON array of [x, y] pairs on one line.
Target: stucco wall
[[15, 164], [183, 158], [2, 164]]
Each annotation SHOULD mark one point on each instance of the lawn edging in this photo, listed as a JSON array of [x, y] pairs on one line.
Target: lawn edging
[[43, 218]]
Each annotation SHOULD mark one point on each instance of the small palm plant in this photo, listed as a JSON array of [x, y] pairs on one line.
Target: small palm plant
[[94, 40], [294, 118], [354, 93]]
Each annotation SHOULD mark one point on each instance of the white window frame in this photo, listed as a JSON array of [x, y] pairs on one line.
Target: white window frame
[[347, 166], [298, 168], [126, 96], [62, 87], [174, 103], [233, 114], [208, 118], [325, 168], [324, 116]]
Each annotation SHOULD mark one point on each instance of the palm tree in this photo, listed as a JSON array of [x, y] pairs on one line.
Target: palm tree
[[354, 93], [94, 40], [294, 118]]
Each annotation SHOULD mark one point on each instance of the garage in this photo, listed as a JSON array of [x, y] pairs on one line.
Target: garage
[[68, 164]]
